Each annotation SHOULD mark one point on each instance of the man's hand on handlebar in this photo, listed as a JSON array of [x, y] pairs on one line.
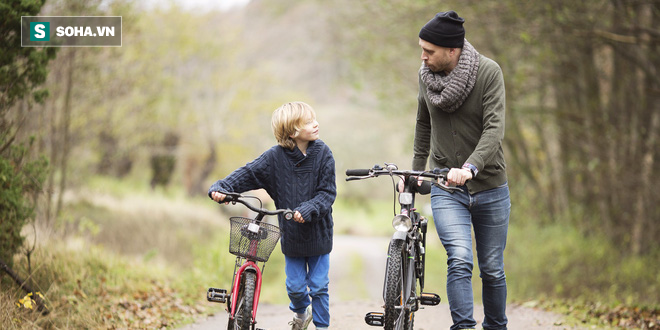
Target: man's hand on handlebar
[[458, 176], [402, 184]]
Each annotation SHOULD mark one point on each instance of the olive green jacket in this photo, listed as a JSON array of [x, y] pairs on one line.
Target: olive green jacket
[[472, 134]]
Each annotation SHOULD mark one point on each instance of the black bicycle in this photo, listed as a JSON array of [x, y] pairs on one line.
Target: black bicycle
[[251, 241], [406, 252]]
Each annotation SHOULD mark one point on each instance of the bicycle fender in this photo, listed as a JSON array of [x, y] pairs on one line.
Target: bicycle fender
[[400, 235]]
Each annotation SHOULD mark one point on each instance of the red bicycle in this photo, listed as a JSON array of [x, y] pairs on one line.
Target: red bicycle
[[251, 241]]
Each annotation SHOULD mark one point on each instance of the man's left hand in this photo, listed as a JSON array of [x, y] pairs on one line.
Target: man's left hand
[[458, 176]]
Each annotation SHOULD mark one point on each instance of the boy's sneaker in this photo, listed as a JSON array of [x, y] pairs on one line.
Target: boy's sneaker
[[302, 323]]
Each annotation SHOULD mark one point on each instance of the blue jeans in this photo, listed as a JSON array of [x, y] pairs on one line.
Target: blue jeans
[[307, 277], [454, 216]]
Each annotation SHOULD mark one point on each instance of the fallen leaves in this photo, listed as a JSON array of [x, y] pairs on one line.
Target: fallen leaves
[[628, 316], [28, 302], [151, 308]]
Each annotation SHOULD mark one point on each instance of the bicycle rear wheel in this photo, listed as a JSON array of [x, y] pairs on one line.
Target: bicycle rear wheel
[[394, 287], [243, 316]]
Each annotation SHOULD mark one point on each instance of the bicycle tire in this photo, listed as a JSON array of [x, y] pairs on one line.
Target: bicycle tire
[[393, 283], [243, 317], [245, 308]]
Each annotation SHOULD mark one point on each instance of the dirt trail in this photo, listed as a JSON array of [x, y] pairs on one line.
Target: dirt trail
[[347, 311]]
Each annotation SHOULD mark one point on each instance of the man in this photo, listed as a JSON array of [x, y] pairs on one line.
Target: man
[[460, 125]]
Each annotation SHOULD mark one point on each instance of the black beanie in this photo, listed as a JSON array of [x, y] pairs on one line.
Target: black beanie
[[444, 30]]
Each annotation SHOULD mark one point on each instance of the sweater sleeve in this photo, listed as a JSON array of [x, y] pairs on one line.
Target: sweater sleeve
[[249, 177], [493, 119], [324, 195]]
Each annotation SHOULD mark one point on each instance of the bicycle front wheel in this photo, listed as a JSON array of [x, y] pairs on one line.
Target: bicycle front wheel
[[243, 316], [394, 286]]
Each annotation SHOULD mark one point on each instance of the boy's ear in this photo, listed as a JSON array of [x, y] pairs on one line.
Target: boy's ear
[[294, 135]]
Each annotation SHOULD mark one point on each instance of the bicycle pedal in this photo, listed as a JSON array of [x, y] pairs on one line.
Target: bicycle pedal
[[376, 319], [216, 295], [429, 299]]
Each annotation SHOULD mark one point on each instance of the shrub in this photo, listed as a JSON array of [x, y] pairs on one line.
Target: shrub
[[21, 181]]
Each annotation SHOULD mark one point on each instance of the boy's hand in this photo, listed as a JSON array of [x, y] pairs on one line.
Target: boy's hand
[[218, 197], [297, 217]]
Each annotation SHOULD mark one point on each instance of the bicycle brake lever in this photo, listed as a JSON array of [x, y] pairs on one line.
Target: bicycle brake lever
[[353, 178], [447, 188]]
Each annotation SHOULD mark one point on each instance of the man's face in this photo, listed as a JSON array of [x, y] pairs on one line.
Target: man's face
[[437, 58]]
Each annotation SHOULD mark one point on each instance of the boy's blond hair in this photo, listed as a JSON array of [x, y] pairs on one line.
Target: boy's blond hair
[[288, 120]]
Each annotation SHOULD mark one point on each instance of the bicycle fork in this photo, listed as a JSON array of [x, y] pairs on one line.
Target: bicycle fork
[[220, 295]]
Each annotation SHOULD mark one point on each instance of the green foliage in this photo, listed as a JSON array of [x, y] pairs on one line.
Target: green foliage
[[357, 217], [557, 261], [20, 180], [22, 69]]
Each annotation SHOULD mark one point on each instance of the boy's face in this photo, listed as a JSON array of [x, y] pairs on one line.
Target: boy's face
[[309, 132]]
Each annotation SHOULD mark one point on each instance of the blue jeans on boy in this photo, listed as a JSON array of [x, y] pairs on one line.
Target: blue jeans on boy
[[307, 277], [454, 216]]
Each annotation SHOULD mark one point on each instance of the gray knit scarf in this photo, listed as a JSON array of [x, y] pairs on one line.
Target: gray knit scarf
[[448, 92]]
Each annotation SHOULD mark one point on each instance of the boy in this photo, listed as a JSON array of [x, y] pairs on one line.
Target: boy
[[299, 174]]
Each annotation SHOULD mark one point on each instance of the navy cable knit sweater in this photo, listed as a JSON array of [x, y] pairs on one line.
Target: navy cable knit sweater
[[301, 183]]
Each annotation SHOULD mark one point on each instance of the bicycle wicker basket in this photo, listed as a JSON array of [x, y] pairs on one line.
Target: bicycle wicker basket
[[254, 245]]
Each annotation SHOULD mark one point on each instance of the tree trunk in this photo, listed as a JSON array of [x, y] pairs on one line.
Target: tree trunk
[[643, 228], [66, 128]]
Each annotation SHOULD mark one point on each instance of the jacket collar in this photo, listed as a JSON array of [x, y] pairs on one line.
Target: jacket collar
[[297, 156]]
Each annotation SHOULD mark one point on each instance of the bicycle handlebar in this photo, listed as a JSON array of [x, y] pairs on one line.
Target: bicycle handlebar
[[392, 170], [238, 198]]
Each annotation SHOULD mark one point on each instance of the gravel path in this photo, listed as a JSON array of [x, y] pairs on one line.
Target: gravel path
[[347, 311]]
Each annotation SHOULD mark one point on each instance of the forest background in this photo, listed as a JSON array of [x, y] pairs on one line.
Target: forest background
[[107, 153]]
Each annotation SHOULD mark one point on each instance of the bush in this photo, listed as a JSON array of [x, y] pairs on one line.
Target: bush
[[557, 261], [20, 182]]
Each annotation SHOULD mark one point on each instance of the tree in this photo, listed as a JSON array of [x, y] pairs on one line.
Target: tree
[[605, 82], [22, 71]]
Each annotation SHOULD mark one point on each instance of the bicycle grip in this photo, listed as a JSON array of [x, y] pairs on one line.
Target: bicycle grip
[[229, 197], [424, 189], [357, 172]]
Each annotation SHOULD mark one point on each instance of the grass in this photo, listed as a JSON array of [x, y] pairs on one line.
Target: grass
[[360, 218], [115, 261], [86, 286]]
